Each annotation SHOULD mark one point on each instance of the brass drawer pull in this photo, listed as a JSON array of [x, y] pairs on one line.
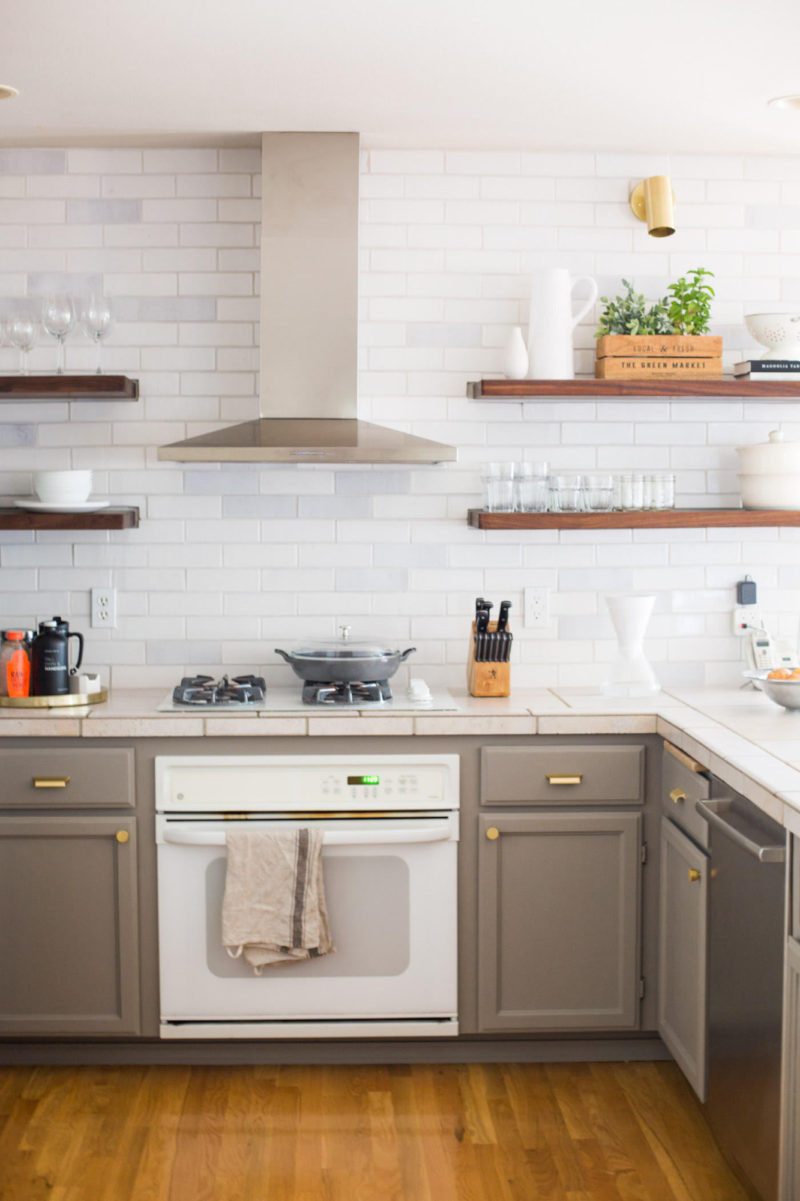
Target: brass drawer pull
[[50, 781], [492, 833], [555, 778], [694, 875], [677, 795], [122, 835]]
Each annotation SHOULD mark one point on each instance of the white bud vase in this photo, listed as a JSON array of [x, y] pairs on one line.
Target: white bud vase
[[515, 356]]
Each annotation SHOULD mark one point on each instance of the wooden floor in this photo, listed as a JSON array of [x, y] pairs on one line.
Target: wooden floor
[[585, 1132]]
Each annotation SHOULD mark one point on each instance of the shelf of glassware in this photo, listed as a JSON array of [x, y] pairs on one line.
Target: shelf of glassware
[[101, 519], [649, 519], [588, 388], [68, 387]]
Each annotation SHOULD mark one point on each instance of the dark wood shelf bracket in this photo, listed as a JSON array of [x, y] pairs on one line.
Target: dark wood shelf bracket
[[68, 387], [650, 519], [101, 519]]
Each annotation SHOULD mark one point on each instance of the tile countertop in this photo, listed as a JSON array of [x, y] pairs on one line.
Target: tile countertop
[[741, 736]]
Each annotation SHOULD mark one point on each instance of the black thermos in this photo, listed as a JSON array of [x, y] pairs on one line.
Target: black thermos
[[50, 655]]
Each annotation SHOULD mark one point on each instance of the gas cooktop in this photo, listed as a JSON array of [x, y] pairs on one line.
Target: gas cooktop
[[250, 694]]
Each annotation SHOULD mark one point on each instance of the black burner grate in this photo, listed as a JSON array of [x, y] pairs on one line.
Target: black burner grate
[[205, 690]]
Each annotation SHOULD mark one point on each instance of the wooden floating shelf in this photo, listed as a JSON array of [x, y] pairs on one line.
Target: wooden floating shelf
[[68, 387], [649, 519], [586, 387], [101, 519]]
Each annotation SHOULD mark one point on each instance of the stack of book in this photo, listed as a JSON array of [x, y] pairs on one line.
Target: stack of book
[[761, 369]]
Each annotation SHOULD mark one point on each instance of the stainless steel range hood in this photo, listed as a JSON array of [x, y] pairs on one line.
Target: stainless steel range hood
[[309, 320]]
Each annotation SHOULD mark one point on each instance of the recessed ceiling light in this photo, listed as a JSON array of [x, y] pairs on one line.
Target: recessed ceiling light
[[784, 102], [7, 92]]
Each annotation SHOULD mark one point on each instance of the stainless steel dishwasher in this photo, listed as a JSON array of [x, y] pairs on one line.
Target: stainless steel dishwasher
[[746, 933]]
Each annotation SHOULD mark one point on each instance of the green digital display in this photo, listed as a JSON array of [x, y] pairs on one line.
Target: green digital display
[[363, 779]]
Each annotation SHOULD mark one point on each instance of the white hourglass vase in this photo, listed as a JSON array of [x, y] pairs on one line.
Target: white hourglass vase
[[97, 321], [58, 318], [630, 673]]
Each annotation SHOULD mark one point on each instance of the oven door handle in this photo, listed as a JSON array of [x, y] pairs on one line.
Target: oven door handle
[[331, 838]]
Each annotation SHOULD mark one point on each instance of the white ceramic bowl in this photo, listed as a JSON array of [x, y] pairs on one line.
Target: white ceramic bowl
[[779, 332], [62, 487], [770, 491]]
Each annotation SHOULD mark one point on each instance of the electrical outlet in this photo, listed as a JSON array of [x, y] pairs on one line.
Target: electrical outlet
[[537, 607], [104, 608], [746, 618]]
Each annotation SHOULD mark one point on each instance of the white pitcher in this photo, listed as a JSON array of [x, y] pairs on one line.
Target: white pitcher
[[552, 322]]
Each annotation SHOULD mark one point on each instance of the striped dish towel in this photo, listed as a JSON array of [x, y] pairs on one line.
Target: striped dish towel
[[273, 910]]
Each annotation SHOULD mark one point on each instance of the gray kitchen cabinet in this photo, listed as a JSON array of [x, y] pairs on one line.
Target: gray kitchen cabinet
[[67, 777], [558, 922], [69, 946], [790, 1168], [683, 910]]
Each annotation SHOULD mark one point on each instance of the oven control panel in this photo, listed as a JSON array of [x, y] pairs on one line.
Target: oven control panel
[[285, 784]]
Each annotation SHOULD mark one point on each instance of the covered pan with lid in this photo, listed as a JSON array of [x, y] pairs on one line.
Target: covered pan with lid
[[344, 660]]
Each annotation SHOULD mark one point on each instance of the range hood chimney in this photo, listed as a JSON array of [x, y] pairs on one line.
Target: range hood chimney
[[309, 320]]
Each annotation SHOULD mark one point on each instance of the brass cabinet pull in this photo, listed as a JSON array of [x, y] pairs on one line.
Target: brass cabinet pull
[[677, 795], [694, 875], [492, 833], [555, 778], [122, 835], [50, 781]]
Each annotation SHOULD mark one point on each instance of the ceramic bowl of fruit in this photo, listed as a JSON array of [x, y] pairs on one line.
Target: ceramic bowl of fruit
[[781, 685]]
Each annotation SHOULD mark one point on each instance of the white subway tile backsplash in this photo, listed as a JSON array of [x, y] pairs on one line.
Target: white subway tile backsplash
[[449, 240]]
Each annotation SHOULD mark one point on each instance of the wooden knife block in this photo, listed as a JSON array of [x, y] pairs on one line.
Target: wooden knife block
[[487, 679]]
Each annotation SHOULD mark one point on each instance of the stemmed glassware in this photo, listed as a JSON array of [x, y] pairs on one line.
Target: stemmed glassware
[[58, 318], [97, 320], [22, 328]]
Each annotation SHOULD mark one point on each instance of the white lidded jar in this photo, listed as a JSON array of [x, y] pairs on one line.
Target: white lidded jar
[[770, 473]]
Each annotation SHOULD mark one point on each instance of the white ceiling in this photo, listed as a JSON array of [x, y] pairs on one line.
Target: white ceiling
[[676, 75]]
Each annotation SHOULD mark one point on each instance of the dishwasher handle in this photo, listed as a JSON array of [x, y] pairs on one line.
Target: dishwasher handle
[[331, 838], [712, 812]]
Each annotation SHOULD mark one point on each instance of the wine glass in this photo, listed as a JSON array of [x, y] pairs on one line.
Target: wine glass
[[22, 330], [58, 318], [97, 321]]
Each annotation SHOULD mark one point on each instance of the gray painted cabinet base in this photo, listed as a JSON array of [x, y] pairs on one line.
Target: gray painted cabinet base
[[558, 922], [683, 913], [68, 926]]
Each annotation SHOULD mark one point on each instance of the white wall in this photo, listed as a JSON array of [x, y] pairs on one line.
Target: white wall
[[230, 562]]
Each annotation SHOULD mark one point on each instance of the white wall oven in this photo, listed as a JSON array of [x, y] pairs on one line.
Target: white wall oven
[[390, 837]]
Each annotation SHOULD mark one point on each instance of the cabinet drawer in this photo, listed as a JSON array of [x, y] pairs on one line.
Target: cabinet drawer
[[680, 788], [82, 778], [551, 775]]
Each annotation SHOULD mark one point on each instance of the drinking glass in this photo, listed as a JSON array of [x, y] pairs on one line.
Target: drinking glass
[[598, 493], [22, 330], [530, 487], [97, 321], [58, 318], [566, 493], [498, 487]]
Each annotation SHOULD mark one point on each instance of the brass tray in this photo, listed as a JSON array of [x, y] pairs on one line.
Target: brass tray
[[69, 700]]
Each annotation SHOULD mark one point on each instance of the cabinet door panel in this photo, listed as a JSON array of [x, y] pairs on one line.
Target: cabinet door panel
[[683, 908], [558, 929], [790, 1167], [68, 926]]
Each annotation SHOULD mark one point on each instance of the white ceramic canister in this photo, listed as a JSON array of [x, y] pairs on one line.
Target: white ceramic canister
[[552, 322], [770, 473]]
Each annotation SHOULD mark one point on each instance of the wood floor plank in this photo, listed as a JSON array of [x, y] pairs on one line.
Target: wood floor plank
[[423, 1132]]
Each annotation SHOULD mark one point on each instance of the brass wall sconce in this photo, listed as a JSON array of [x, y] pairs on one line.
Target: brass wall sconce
[[653, 201]]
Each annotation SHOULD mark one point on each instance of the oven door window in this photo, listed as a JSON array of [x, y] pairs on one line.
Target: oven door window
[[368, 905]]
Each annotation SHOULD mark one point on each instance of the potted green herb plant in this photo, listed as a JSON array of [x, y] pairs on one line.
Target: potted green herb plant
[[667, 339]]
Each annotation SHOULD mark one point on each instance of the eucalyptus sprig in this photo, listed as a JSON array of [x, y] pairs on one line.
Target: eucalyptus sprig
[[690, 308]]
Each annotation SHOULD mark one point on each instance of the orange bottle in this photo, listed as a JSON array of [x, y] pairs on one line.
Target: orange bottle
[[15, 665]]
